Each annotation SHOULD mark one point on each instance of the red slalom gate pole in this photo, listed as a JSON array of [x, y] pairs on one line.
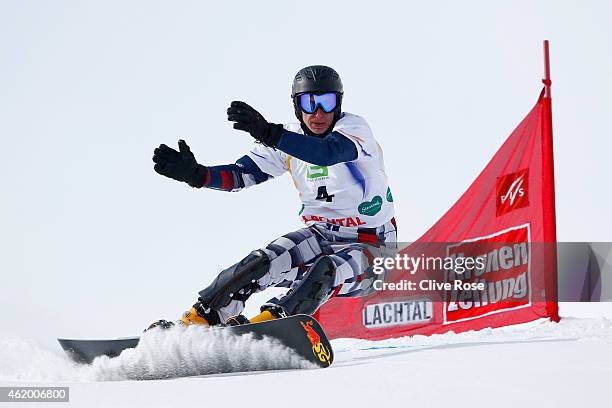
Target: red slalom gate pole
[[550, 221], [549, 216]]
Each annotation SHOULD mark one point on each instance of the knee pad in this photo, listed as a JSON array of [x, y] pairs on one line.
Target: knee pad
[[237, 282], [312, 291]]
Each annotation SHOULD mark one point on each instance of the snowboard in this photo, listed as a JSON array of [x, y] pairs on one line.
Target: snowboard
[[302, 333]]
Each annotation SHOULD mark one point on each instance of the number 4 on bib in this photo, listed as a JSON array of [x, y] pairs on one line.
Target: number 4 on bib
[[322, 194]]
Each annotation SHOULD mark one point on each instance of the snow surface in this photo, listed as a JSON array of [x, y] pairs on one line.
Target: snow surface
[[539, 363], [90, 88]]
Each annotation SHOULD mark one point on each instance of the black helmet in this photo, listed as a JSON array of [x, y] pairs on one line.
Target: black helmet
[[316, 78]]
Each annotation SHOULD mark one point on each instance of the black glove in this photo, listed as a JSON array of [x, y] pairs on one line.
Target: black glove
[[249, 120], [181, 165]]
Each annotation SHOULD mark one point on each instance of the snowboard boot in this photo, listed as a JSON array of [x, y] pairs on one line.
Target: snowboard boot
[[200, 314], [267, 313], [237, 320], [164, 324]]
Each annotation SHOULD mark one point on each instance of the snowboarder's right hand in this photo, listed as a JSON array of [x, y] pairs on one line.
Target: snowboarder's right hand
[[181, 165]]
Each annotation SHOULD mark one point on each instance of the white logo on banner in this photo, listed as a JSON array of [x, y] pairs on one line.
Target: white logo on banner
[[514, 190], [397, 313]]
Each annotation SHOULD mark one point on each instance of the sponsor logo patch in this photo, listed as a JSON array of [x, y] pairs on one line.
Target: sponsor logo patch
[[343, 222], [389, 195], [512, 192], [315, 172], [371, 208]]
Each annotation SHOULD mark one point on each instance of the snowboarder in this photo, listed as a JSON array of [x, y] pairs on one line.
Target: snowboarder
[[337, 167]]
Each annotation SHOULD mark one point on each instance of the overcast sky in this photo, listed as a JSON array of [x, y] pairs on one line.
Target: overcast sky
[[96, 244]]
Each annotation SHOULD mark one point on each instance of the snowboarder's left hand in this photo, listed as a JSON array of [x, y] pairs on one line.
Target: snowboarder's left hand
[[249, 120]]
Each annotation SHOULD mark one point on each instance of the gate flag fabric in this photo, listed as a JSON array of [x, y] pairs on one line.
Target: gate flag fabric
[[507, 219]]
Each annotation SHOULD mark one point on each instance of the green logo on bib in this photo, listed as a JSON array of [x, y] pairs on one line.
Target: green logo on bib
[[389, 195], [371, 208], [316, 171]]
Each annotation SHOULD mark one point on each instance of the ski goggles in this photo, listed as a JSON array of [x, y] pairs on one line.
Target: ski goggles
[[309, 102]]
